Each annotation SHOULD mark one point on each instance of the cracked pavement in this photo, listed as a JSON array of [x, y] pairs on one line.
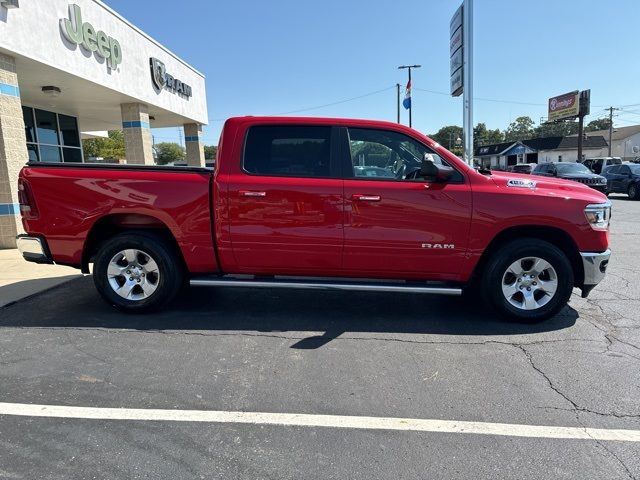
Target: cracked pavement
[[342, 353]]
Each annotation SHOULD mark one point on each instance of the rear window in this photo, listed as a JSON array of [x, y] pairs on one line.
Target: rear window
[[288, 150]]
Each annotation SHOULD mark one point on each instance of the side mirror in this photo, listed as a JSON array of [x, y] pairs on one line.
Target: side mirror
[[431, 171]]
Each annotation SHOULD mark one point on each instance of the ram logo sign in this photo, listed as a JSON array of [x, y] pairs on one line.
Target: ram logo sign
[[439, 246], [164, 81]]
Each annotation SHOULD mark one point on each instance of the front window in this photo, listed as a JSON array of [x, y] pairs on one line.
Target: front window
[[635, 169], [386, 155]]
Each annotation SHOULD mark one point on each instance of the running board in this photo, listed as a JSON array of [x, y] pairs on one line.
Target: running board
[[372, 286]]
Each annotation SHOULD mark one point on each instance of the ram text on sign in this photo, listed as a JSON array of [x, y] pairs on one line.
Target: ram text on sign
[[163, 80]]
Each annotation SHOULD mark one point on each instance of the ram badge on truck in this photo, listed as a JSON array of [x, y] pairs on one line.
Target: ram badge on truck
[[319, 203]]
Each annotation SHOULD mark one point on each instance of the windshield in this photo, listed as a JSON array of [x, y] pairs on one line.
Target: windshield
[[572, 168], [635, 169]]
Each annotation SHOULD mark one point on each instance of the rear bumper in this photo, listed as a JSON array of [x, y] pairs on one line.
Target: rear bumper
[[33, 249], [595, 267]]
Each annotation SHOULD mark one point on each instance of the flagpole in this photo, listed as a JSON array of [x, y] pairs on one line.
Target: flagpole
[[409, 67]]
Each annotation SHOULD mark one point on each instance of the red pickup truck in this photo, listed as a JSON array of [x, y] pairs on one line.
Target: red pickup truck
[[319, 203]]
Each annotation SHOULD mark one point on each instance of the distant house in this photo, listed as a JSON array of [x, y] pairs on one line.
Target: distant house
[[538, 150], [625, 142]]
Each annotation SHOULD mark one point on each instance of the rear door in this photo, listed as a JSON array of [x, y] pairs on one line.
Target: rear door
[[286, 201], [398, 225]]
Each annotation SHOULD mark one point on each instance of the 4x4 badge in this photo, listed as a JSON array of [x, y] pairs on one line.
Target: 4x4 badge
[[518, 182]]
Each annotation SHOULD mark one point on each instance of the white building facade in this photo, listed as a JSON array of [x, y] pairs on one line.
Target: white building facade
[[67, 68]]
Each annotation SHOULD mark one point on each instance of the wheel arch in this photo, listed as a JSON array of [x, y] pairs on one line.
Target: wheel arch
[[113, 224], [554, 235]]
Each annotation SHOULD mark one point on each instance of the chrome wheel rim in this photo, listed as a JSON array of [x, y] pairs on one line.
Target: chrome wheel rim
[[133, 274], [529, 283]]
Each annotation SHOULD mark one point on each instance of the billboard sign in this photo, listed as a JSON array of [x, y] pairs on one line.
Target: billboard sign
[[456, 38], [564, 106]]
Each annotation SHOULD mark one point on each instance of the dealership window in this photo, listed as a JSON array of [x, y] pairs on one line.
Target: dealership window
[[51, 137]]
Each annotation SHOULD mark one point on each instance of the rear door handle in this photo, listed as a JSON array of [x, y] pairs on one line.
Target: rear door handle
[[252, 193], [366, 198]]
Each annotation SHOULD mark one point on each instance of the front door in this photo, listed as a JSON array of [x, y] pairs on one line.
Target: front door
[[286, 203], [396, 224]]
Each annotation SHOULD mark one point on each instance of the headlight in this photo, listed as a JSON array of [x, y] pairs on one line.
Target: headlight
[[598, 215]]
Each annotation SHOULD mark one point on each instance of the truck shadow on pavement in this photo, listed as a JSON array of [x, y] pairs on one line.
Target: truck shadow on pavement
[[76, 304]]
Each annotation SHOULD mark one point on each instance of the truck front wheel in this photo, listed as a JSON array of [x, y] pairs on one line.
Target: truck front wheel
[[528, 280], [137, 272]]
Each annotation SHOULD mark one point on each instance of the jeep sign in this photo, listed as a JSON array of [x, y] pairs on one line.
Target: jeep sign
[[84, 34]]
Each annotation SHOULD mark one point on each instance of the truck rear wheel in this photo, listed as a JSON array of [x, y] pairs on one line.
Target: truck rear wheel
[[528, 280], [137, 272]]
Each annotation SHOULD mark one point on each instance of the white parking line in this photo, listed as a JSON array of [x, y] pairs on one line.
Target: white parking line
[[327, 421]]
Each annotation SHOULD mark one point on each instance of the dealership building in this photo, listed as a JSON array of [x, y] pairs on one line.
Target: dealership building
[[73, 70]]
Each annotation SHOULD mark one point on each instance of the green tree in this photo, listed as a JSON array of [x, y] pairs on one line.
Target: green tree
[[556, 129], [484, 136], [520, 129], [111, 148], [598, 124], [210, 152], [169, 152], [447, 137]]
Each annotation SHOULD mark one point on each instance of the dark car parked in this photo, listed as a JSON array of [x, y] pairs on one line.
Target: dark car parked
[[624, 179], [572, 171], [525, 168]]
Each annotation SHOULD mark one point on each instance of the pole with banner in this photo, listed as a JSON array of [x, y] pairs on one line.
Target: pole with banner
[[467, 53], [461, 69], [407, 103]]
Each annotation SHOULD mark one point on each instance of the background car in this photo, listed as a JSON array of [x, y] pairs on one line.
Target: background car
[[522, 168], [598, 164], [624, 179], [572, 171]]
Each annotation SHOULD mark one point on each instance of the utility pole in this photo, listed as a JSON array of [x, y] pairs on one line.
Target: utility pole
[[409, 67], [611, 109], [398, 101]]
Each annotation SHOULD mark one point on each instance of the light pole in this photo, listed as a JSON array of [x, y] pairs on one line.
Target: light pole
[[409, 67]]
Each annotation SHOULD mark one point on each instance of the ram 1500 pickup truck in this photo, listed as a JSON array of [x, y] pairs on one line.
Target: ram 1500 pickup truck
[[319, 203]]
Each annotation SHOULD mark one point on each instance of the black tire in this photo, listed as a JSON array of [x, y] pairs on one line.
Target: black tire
[[168, 281], [497, 270], [634, 192]]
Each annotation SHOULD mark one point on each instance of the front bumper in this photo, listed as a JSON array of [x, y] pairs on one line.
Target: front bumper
[[595, 267], [33, 249]]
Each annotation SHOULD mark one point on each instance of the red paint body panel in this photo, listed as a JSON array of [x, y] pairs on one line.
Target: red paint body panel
[[269, 225], [71, 200]]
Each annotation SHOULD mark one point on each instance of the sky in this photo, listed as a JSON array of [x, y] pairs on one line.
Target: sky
[[304, 56]]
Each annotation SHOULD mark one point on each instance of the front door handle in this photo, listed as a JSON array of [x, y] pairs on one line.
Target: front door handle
[[366, 198], [252, 193]]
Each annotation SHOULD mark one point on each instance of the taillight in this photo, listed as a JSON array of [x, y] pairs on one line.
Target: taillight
[[28, 206]]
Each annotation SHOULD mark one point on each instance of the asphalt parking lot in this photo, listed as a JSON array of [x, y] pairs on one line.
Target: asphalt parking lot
[[330, 353]]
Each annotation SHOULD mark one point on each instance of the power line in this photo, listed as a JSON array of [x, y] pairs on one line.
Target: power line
[[306, 109]]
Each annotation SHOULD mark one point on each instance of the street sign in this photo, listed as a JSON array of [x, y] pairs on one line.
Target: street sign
[[456, 40], [456, 83], [585, 102], [456, 61], [564, 106]]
